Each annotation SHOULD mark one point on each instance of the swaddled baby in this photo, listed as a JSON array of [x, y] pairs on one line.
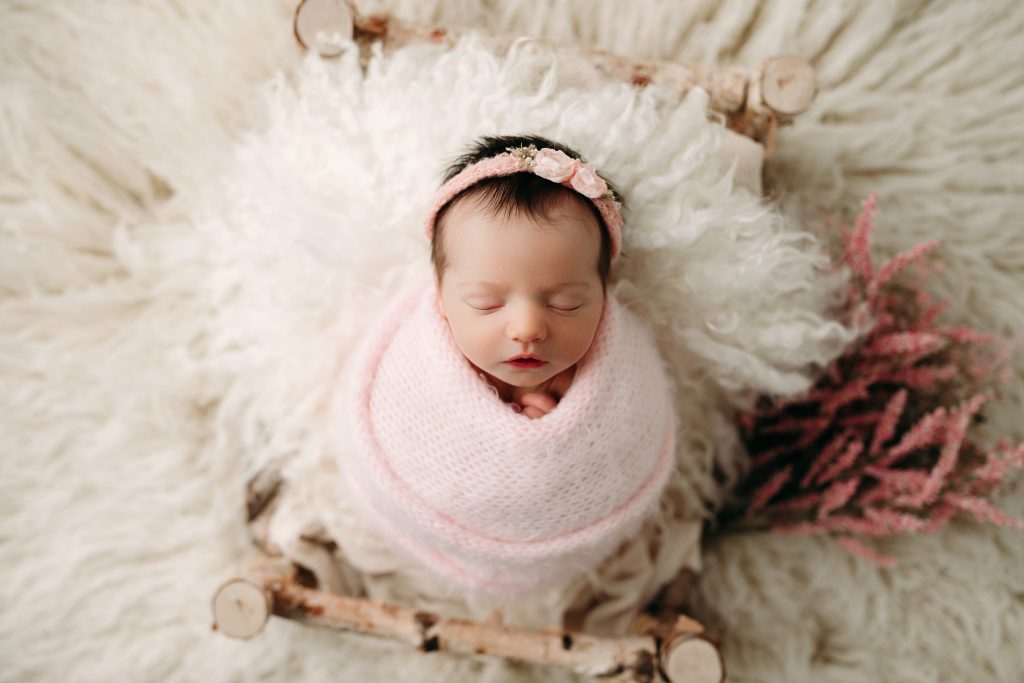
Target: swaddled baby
[[522, 264], [514, 422]]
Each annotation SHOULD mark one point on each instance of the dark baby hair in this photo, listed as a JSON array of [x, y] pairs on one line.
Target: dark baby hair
[[524, 193]]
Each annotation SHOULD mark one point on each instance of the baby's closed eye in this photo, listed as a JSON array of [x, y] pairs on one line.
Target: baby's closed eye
[[566, 306], [484, 305]]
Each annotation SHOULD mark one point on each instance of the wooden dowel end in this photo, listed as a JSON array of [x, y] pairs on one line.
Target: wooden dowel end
[[788, 85], [691, 658], [324, 25], [241, 608], [242, 605]]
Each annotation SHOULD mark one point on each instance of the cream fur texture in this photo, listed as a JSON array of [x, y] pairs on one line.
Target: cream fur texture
[[188, 210]]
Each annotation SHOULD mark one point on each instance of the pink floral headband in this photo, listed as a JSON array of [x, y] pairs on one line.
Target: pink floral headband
[[550, 164]]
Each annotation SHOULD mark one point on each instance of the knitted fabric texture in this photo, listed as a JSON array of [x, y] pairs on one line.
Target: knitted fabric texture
[[484, 495]]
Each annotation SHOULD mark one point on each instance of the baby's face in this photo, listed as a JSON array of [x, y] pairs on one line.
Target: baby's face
[[515, 285]]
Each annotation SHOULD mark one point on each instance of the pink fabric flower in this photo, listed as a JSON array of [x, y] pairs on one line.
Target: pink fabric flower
[[554, 165], [588, 183]]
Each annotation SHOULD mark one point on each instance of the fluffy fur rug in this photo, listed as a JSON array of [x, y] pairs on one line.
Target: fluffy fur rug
[[188, 210]]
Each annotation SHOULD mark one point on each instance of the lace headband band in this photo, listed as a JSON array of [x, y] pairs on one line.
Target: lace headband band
[[550, 164]]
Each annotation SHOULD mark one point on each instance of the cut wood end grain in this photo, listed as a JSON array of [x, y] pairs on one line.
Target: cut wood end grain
[[241, 608], [324, 25], [693, 659], [788, 85]]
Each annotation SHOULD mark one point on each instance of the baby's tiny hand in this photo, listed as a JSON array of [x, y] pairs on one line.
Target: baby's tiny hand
[[537, 404]]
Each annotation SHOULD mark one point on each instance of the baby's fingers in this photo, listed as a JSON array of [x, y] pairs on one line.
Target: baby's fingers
[[533, 413], [539, 400]]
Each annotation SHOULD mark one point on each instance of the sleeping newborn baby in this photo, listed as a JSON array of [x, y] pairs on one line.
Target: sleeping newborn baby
[[522, 265], [514, 423]]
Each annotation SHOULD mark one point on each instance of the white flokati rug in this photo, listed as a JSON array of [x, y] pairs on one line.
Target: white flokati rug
[[186, 220]]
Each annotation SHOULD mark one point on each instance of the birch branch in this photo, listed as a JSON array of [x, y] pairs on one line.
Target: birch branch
[[754, 104], [677, 651]]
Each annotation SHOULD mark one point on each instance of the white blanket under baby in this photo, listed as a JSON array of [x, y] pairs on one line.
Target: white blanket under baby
[[484, 495]]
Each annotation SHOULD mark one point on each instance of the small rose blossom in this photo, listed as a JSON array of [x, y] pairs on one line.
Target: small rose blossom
[[588, 183], [554, 165]]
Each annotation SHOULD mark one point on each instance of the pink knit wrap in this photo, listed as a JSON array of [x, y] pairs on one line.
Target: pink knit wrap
[[484, 495]]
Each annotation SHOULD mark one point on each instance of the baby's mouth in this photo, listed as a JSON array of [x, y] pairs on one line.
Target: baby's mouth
[[526, 362]]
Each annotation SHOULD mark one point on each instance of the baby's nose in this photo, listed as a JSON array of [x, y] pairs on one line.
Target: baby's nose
[[527, 325]]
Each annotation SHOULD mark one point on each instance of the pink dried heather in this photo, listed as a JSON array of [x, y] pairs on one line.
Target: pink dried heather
[[793, 424], [998, 463], [883, 491], [843, 463], [916, 344], [982, 510], [956, 431], [862, 420], [871, 450], [858, 253], [893, 485], [928, 318], [800, 503], [836, 496], [901, 479], [926, 378], [854, 390], [939, 517], [836, 444], [887, 423], [765, 457], [965, 335], [895, 265], [894, 522], [773, 486], [862, 550], [927, 431]]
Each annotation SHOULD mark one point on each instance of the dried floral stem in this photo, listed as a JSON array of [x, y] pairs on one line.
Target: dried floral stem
[[877, 448]]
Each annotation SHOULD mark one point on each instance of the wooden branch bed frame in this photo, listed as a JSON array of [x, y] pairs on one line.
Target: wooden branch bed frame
[[664, 645], [753, 103], [676, 649]]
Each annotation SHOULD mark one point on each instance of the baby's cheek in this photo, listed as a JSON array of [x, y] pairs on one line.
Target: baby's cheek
[[467, 337], [582, 336]]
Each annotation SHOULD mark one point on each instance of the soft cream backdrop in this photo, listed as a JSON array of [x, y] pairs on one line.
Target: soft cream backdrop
[[119, 481]]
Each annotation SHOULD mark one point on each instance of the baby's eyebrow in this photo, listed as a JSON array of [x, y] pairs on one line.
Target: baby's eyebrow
[[568, 285], [478, 285]]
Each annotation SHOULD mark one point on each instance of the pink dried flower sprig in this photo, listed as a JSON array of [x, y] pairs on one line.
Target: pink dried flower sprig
[[880, 446]]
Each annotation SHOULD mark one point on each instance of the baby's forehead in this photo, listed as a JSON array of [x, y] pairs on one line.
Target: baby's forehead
[[500, 286], [477, 212], [553, 240]]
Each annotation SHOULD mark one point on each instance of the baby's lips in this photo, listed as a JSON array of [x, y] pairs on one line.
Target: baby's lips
[[516, 407], [526, 358]]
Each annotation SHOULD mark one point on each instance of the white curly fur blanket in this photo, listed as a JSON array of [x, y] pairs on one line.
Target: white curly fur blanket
[[175, 286], [737, 298]]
